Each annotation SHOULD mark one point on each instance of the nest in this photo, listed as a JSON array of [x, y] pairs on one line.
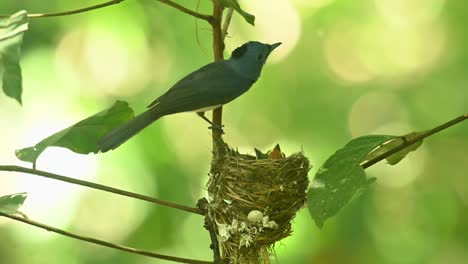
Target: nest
[[254, 200]]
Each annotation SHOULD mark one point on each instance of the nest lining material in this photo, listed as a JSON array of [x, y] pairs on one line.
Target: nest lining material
[[272, 190]]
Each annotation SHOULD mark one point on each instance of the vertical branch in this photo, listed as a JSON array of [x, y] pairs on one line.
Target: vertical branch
[[218, 41], [218, 48], [265, 255]]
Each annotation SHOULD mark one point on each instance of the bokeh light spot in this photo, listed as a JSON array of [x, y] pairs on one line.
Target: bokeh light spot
[[373, 110], [276, 21], [101, 60], [409, 50], [342, 55], [404, 13], [308, 8]]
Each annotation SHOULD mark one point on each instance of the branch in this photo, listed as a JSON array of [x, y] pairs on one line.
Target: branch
[[103, 243], [72, 12], [100, 187], [421, 136], [218, 48], [207, 18]]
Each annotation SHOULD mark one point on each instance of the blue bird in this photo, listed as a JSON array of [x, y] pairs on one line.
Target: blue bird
[[207, 88]]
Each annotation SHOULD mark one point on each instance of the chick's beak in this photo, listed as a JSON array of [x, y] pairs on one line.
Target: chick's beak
[[274, 46]]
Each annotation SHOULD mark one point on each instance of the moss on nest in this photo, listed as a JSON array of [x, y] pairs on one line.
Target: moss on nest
[[270, 190]]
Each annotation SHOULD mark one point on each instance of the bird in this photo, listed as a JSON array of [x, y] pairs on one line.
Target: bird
[[207, 88]]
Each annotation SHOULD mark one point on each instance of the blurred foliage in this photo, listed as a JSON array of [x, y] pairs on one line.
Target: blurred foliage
[[11, 203], [235, 5], [347, 69], [83, 136], [11, 36]]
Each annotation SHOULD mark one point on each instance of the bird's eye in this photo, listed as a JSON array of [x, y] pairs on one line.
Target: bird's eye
[[259, 57]]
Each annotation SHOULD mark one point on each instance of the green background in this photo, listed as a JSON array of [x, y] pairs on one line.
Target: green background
[[346, 69]]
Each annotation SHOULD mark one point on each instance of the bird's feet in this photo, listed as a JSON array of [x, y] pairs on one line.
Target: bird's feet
[[213, 126], [217, 127]]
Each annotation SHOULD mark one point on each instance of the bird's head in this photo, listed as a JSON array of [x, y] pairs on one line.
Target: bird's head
[[249, 58]]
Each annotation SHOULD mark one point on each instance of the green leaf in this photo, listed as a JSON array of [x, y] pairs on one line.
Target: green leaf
[[82, 136], [11, 203], [11, 37], [341, 178], [235, 5]]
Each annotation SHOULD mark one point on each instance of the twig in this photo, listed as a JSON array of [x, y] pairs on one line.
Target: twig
[[421, 136], [103, 243], [196, 31], [100, 187], [72, 12], [207, 18], [227, 21]]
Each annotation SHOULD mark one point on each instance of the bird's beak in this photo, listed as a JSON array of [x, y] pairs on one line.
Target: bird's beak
[[274, 46]]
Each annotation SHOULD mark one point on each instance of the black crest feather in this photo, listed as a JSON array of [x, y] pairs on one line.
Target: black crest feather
[[237, 53]]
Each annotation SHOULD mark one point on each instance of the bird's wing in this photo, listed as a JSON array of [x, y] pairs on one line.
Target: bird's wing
[[182, 83], [214, 84]]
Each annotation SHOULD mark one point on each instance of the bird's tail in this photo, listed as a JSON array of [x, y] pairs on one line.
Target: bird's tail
[[118, 136]]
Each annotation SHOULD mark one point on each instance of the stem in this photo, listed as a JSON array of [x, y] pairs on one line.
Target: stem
[[103, 243], [208, 18], [407, 143], [72, 12], [101, 187], [227, 21]]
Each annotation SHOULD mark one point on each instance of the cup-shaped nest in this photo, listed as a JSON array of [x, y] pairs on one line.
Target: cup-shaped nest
[[252, 201]]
